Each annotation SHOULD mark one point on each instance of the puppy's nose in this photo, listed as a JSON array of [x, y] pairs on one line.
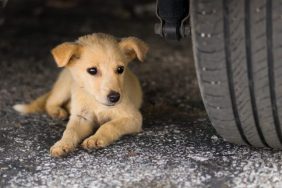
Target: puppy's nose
[[113, 96]]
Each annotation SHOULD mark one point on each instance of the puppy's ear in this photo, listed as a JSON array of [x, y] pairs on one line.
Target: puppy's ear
[[134, 48], [64, 52]]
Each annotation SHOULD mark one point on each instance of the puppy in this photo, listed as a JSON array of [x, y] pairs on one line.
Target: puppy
[[98, 90]]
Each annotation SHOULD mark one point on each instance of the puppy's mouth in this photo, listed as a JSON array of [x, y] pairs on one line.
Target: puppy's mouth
[[109, 104]]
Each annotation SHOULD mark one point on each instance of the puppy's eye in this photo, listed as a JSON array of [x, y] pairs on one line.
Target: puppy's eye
[[92, 70], [120, 69]]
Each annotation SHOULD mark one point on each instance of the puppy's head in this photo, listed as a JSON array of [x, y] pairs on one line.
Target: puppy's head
[[98, 63]]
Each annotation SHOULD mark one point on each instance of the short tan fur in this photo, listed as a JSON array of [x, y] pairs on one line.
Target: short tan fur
[[107, 101]]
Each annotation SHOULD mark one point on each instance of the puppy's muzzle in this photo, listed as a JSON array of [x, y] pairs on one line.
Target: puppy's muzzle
[[113, 97]]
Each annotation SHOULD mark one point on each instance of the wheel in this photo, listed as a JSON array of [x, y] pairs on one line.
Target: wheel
[[238, 54]]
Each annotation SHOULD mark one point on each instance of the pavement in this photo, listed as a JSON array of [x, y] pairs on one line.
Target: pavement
[[178, 147]]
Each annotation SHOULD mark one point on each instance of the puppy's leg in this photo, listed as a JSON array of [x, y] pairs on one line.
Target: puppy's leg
[[59, 96], [79, 127], [112, 131], [67, 107]]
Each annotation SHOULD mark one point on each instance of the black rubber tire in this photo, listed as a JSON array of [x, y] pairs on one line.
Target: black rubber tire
[[238, 53]]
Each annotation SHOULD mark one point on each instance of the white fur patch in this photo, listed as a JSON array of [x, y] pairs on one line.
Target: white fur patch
[[21, 108]]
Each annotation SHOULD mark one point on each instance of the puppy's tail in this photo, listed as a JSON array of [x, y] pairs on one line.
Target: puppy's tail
[[36, 106]]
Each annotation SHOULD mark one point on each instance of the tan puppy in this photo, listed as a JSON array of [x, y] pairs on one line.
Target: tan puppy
[[104, 93]]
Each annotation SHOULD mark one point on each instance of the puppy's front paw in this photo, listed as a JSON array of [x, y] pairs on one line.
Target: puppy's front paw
[[95, 142], [57, 112], [61, 148]]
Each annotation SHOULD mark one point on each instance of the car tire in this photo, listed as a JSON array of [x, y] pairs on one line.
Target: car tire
[[237, 48]]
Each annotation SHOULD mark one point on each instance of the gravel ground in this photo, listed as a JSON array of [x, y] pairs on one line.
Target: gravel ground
[[178, 148]]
